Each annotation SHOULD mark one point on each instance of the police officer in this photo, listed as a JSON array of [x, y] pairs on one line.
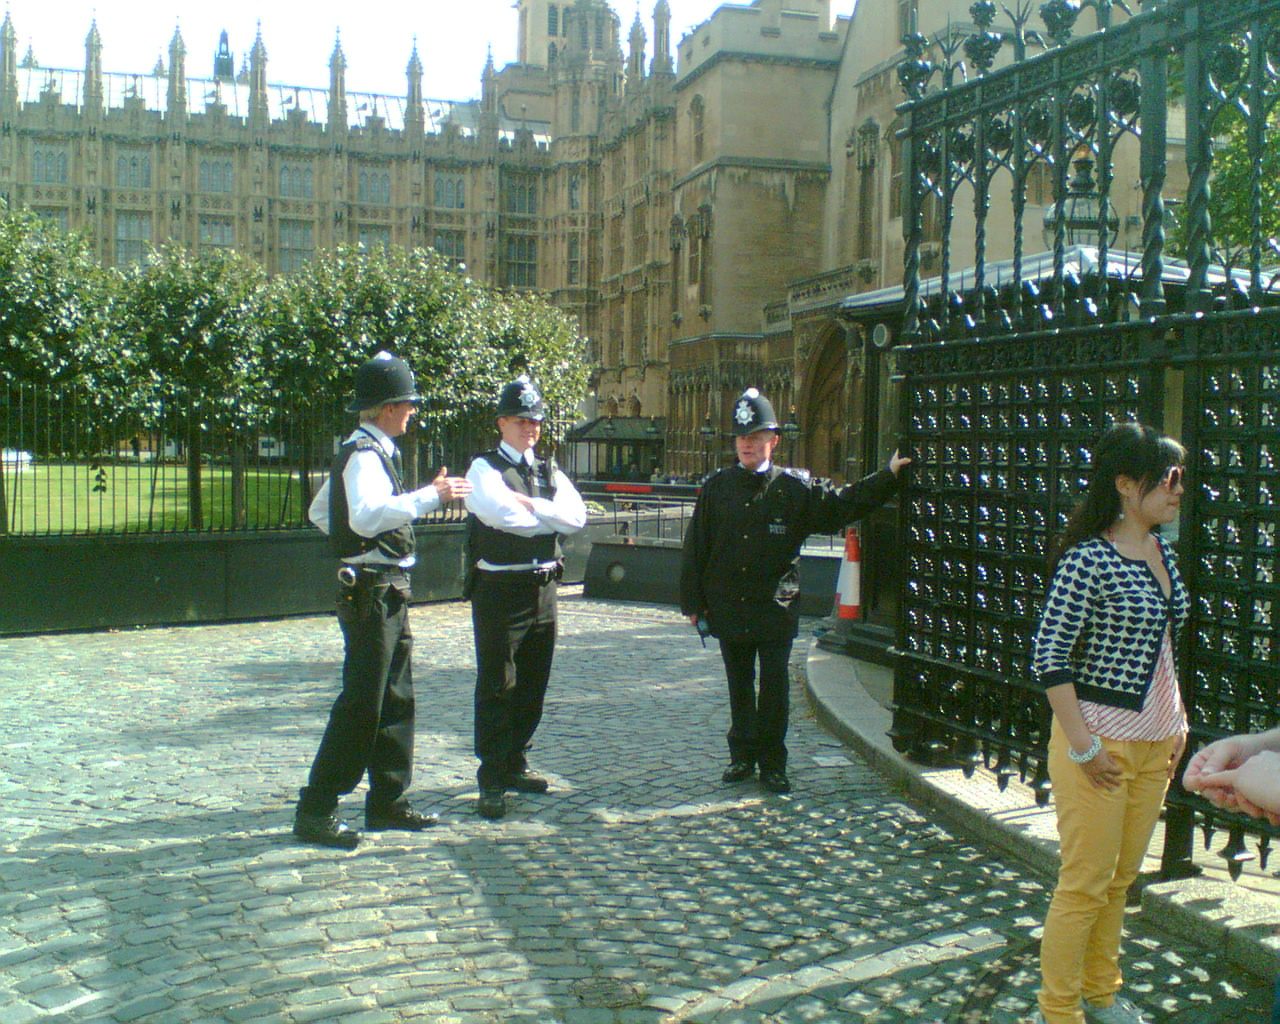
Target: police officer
[[520, 504], [740, 576], [367, 514]]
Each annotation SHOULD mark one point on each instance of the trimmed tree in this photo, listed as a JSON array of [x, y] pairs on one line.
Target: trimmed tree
[[195, 321]]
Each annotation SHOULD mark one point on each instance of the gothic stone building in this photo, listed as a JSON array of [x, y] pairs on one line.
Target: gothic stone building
[[703, 207], [663, 208]]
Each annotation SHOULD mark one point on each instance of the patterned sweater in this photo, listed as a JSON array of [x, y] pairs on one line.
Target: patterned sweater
[[1103, 622]]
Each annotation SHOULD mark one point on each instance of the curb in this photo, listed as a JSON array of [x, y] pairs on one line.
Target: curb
[[1242, 922]]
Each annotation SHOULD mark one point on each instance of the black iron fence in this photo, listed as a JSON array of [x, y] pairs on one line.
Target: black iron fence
[[1008, 383], [68, 466]]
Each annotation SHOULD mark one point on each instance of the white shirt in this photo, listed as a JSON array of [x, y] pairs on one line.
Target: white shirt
[[372, 505], [495, 504]]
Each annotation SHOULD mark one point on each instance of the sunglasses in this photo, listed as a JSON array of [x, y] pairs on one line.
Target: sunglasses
[[1173, 478]]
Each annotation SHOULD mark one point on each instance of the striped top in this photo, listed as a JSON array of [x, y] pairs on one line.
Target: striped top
[[1162, 713]]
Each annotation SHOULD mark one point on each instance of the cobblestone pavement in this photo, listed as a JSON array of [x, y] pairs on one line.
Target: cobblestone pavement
[[147, 872]]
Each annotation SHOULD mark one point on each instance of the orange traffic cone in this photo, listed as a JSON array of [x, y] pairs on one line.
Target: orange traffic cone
[[834, 634], [849, 583]]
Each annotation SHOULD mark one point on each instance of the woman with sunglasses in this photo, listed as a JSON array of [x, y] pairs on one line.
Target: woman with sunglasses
[[1104, 652]]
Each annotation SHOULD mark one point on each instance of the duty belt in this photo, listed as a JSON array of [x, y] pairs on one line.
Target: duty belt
[[371, 575], [541, 576]]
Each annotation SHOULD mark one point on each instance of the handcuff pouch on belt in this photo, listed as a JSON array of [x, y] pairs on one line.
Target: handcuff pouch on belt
[[361, 587]]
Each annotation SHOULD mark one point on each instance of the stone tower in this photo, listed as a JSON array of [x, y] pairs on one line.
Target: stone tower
[[586, 76]]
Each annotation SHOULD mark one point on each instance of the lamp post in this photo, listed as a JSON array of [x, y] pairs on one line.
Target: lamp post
[[791, 431], [708, 433], [652, 433], [1083, 219], [607, 428]]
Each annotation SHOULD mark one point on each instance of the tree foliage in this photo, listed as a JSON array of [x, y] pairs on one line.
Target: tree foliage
[[54, 306], [1235, 172], [463, 341], [194, 321], [205, 333]]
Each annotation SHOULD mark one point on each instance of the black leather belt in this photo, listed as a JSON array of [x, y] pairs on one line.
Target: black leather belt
[[371, 575], [540, 576]]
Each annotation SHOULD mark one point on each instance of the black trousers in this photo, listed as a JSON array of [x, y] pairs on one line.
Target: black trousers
[[514, 619], [758, 720], [371, 724]]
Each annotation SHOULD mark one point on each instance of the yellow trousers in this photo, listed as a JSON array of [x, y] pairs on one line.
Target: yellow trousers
[[1104, 835]]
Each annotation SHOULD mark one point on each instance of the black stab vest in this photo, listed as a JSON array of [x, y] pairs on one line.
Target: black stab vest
[[497, 547], [344, 541]]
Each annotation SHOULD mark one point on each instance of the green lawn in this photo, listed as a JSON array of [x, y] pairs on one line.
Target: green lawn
[[128, 497]]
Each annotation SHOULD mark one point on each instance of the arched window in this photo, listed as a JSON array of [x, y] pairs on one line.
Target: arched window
[[450, 192], [133, 170], [697, 117], [374, 185], [296, 181]]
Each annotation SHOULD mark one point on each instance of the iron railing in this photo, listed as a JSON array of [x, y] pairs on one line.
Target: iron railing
[[70, 466], [1007, 385]]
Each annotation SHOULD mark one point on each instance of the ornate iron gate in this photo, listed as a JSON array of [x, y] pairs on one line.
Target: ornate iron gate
[[1008, 384]]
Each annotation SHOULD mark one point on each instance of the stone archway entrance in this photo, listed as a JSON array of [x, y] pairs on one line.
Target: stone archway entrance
[[826, 420]]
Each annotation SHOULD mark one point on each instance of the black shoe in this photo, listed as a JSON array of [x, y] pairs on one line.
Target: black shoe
[[526, 781], [406, 820], [324, 830], [738, 771], [775, 780], [492, 803]]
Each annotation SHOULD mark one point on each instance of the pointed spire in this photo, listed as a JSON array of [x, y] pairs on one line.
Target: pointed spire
[[176, 109], [635, 61], [662, 64], [9, 65], [224, 63], [337, 89], [489, 87], [93, 71], [414, 115], [258, 81]]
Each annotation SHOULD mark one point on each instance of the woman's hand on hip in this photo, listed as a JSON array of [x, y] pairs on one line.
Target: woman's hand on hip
[[1103, 772]]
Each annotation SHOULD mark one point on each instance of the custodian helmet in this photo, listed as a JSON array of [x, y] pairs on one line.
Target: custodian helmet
[[382, 379], [752, 412], [521, 398]]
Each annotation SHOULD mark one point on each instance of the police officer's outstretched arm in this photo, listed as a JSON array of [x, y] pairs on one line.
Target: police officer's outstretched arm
[[448, 488], [832, 510]]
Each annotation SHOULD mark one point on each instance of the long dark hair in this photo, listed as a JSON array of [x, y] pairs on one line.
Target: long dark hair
[[1126, 449]]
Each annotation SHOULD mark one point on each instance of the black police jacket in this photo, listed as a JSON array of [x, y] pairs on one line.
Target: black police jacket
[[741, 563]]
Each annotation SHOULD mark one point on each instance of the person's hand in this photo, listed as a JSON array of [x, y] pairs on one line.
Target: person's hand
[[1217, 757], [1252, 789], [897, 462], [450, 487], [1102, 772]]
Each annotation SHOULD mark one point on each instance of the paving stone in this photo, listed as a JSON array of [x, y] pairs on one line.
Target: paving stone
[[640, 890]]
